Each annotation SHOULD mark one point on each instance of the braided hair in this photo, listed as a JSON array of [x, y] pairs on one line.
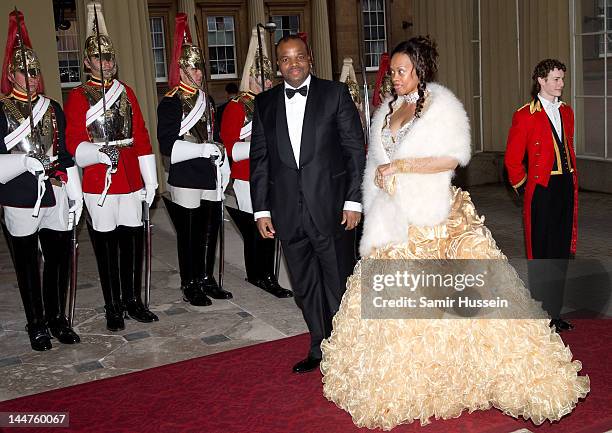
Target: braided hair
[[424, 57]]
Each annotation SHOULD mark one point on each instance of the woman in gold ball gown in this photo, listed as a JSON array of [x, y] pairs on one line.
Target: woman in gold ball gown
[[390, 372]]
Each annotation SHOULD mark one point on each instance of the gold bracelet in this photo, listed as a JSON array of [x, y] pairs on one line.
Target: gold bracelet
[[402, 165]]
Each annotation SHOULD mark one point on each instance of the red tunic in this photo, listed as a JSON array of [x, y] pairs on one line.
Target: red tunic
[[231, 124], [127, 178], [531, 133]]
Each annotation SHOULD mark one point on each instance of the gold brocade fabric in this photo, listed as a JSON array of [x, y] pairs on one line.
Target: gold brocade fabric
[[390, 372]]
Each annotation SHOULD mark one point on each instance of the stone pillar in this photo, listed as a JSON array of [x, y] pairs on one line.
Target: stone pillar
[[127, 23], [188, 7], [320, 39], [256, 13], [38, 17]]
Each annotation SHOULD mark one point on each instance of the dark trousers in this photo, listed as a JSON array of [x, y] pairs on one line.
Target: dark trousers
[[552, 211], [318, 268], [258, 252]]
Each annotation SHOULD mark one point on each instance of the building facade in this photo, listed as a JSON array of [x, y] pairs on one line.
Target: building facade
[[488, 49]]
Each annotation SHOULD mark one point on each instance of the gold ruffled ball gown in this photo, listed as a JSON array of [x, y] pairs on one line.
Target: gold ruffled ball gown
[[390, 372]]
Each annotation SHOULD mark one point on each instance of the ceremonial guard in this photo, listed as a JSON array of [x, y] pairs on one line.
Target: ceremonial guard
[[543, 131], [40, 190], [198, 171], [236, 135], [107, 135], [347, 76], [383, 86]]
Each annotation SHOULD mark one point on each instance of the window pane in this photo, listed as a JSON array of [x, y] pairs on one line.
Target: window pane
[[69, 55], [212, 38], [221, 46], [590, 126], [592, 19], [592, 66]]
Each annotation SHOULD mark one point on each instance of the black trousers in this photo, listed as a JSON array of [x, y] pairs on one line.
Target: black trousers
[[552, 217], [318, 268], [258, 252]]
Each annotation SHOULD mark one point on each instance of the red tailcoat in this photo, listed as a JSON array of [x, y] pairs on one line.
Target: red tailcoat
[[127, 178], [231, 124], [531, 133]]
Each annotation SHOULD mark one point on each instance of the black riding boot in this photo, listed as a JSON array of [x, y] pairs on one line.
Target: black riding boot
[[211, 221], [131, 248], [56, 278], [188, 226], [24, 252], [106, 249]]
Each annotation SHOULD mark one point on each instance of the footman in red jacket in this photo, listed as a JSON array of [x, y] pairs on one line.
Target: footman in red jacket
[[544, 131]]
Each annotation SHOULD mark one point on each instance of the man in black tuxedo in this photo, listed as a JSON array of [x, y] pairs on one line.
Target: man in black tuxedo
[[307, 160]]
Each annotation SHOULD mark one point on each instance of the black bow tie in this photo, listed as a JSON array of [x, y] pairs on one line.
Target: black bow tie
[[291, 92]]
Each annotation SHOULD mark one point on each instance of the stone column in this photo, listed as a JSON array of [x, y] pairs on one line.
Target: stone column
[[320, 39], [127, 23], [256, 13], [188, 7]]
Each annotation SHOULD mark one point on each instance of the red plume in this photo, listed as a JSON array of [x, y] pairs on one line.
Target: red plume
[[11, 44], [383, 69], [181, 35]]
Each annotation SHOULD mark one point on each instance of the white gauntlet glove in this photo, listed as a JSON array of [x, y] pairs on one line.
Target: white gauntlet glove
[[75, 196], [241, 150], [88, 153], [186, 150], [12, 165], [148, 170]]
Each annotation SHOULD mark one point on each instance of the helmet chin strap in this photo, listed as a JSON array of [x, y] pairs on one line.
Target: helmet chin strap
[[191, 80]]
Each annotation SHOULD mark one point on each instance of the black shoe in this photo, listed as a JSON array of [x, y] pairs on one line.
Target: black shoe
[[306, 365], [212, 289], [192, 293], [40, 340], [65, 334], [137, 311], [270, 285], [561, 325], [114, 318]]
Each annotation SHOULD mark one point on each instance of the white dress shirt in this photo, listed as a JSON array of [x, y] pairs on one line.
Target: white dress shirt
[[552, 110], [294, 110]]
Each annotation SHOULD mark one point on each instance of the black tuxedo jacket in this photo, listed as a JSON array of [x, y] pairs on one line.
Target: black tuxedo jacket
[[332, 158]]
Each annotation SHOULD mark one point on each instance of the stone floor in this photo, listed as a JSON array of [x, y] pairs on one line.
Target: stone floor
[[184, 331]]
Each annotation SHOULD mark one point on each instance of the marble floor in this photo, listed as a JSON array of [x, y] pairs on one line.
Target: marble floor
[[184, 331]]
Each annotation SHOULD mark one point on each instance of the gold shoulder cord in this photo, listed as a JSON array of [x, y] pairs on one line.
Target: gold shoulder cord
[[92, 92], [10, 105]]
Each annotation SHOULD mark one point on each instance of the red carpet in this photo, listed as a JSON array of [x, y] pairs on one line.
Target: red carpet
[[253, 390]]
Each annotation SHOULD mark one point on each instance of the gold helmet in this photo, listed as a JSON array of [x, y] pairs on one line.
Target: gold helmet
[[252, 63], [106, 44], [92, 49], [348, 76], [387, 85], [255, 70], [32, 64], [191, 57]]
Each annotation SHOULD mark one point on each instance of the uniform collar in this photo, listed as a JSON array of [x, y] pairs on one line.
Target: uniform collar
[[20, 96], [187, 88], [98, 83]]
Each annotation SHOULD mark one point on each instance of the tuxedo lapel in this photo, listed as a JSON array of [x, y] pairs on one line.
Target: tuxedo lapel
[[309, 127], [283, 141]]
